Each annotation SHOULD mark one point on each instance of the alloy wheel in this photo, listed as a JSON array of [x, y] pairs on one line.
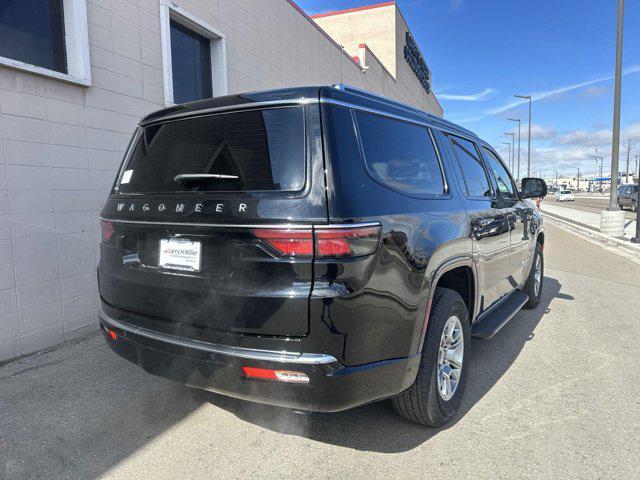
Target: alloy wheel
[[450, 357], [537, 275]]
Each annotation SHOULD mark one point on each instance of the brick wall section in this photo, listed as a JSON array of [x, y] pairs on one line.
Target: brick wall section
[[373, 26], [383, 30], [61, 144]]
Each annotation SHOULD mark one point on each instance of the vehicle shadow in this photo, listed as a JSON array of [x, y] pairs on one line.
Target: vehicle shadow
[[79, 410], [376, 427]]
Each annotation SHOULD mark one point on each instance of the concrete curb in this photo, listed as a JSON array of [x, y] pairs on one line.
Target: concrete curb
[[592, 233]]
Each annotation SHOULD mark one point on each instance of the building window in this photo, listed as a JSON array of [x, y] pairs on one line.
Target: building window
[[32, 31], [193, 56], [191, 64], [48, 37]]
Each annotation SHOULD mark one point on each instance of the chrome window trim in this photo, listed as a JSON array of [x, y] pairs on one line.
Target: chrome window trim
[[239, 352], [290, 226]]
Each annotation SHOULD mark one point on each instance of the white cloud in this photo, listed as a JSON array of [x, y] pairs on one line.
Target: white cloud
[[540, 132], [593, 91], [474, 97], [585, 138], [449, 87], [575, 148], [550, 93], [594, 138]]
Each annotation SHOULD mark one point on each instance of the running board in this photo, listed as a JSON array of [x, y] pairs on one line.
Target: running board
[[498, 318]]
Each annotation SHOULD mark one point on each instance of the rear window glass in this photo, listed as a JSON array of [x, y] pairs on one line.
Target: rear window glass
[[565, 192], [242, 151], [400, 155]]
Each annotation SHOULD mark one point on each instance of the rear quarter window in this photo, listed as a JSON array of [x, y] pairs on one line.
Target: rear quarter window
[[400, 155], [257, 150]]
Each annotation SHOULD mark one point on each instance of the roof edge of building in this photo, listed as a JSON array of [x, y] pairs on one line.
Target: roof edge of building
[[354, 9], [320, 29]]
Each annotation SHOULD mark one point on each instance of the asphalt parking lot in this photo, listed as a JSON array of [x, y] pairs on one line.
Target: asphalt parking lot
[[556, 394]]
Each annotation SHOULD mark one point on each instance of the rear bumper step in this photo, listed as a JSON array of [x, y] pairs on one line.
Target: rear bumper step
[[498, 318], [332, 386], [239, 352]]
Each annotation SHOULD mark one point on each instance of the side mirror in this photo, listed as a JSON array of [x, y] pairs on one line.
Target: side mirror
[[534, 188]]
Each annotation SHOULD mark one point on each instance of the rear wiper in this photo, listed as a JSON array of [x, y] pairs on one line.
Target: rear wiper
[[185, 177]]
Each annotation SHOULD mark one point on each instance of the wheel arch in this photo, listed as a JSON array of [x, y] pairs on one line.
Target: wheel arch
[[458, 274]]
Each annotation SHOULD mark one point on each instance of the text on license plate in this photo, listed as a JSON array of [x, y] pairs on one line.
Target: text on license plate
[[180, 254]]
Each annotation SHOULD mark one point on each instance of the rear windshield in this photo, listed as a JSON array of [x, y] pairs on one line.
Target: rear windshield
[[566, 192], [242, 151]]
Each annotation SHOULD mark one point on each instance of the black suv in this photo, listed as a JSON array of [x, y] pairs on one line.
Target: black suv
[[628, 197], [316, 248]]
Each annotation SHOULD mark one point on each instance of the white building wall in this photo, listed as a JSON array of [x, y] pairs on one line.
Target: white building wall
[[61, 143]]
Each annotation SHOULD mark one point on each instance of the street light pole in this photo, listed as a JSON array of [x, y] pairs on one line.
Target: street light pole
[[518, 120], [556, 172], [513, 148], [528, 97], [615, 144]]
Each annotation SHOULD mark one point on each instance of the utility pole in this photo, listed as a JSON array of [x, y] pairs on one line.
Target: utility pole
[[518, 120], [528, 97], [556, 184], [513, 148], [598, 158], [578, 177], [615, 144]]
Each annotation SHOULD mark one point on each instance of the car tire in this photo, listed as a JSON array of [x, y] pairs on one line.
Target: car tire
[[535, 280], [423, 402], [634, 206]]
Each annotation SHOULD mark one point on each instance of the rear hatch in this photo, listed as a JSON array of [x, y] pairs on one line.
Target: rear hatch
[[199, 229]]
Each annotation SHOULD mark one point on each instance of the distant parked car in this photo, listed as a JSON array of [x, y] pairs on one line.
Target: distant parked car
[[628, 197], [564, 196]]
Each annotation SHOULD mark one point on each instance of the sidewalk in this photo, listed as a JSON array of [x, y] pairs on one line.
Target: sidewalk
[[586, 219]]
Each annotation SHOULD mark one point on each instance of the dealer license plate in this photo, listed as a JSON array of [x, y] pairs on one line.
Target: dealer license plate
[[180, 254]]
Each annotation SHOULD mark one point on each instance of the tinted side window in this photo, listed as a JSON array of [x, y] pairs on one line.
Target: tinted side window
[[475, 176], [503, 180], [400, 155]]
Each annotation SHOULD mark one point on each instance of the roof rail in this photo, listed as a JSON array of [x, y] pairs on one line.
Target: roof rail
[[404, 106]]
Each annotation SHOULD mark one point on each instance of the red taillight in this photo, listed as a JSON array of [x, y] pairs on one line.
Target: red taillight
[[288, 376], [329, 242], [107, 230], [346, 242], [290, 243]]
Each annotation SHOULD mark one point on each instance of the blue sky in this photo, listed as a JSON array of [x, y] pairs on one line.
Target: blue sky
[[481, 52]]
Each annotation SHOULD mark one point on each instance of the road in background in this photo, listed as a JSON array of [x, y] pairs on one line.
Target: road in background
[[555, 394], [588, 203]]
